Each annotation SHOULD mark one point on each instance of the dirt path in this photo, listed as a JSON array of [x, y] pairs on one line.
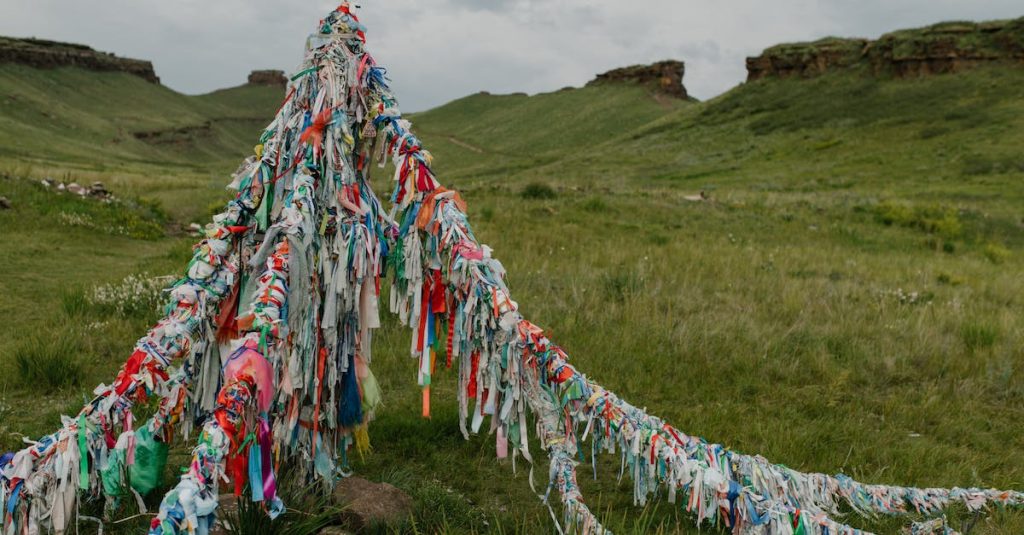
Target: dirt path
[[464, 145]]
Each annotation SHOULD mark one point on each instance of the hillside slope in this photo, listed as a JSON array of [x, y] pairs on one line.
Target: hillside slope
[[844, 137], [490, 136], [83, 117]]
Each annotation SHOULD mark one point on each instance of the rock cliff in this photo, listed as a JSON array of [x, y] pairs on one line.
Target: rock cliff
[[45, 54], [941, 48], [665, 77]]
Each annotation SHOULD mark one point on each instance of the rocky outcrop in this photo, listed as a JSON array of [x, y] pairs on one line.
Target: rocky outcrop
[[941, 48], [268, 77], [806, 59], [43, 54], [666, 77]]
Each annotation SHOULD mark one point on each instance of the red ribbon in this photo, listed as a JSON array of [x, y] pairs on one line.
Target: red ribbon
[[314, 133]]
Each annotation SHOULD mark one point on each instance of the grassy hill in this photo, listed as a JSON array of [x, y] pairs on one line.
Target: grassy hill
[[488, 137], [105, 120], [847, 300]]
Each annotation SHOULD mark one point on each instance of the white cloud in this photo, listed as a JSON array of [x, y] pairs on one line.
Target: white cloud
[[439, 50]]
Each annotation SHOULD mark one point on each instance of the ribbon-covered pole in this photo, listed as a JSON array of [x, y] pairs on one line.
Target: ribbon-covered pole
[[250, 387]]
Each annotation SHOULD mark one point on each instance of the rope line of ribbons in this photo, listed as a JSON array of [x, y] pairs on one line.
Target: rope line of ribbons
[[266, 344]]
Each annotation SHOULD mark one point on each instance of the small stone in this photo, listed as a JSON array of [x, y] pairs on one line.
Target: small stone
[[5, 204], [366, 502]]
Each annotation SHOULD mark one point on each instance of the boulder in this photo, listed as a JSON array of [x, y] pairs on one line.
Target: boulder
[[366, 502]]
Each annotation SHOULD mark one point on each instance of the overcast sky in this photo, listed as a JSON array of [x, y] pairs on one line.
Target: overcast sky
[[439, 50]]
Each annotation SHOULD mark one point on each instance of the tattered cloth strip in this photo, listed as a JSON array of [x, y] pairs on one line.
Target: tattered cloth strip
[[273, 321]]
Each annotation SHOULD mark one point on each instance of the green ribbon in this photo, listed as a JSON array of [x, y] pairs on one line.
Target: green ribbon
[[264, 332], [801, 529], [267, 200], [83, 463], [300, 74]]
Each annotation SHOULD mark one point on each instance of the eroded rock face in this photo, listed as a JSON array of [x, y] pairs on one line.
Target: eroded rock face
[[665, 77], [268, 77], [941, 48], [43, 54], [806, 59]]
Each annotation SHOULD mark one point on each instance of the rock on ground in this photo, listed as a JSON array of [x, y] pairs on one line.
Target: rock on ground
[[366, 502]]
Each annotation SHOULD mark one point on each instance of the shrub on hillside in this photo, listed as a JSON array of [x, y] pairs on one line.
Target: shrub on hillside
[[942, 221], [538, 191], [996, 253]]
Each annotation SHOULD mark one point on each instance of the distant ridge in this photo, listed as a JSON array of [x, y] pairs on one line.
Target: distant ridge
[[44, 54], [937, 49]]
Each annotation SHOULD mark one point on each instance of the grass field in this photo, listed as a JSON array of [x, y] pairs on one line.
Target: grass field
[[848, 300]]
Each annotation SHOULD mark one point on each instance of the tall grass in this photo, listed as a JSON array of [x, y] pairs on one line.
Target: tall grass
[[49, 361], [308, 511]]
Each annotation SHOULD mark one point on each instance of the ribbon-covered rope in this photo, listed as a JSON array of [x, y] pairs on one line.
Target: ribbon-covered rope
[[448, 287], [287, 284], [39, 485]]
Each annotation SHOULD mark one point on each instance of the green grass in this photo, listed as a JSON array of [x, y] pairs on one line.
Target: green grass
[[49, 362], [847, 300]]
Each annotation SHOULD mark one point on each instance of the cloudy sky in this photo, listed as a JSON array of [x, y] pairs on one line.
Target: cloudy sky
[[438, 50]]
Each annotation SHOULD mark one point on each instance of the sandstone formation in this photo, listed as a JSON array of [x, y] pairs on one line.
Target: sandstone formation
[[666, 77], [806, 59], [43, 54], [268, 77], [941, 48]]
